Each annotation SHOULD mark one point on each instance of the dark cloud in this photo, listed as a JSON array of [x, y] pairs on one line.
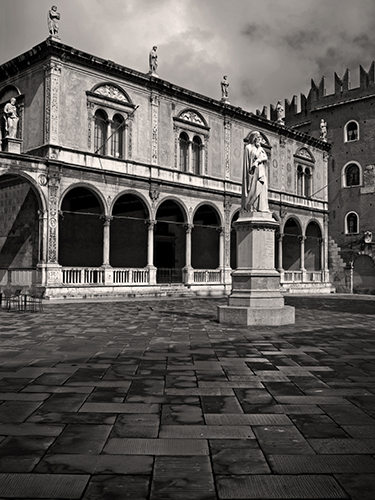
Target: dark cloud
[[253, 31], [301, 39]]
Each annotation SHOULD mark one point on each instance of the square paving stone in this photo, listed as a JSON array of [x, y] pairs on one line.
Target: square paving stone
[[182, 414], [221, 404], [27, 429], [348, 414], [282, 440], [43, 485], [181, 478], [313, 430], [82, 439], [17, 411], [172, 447], [321, 464], [279, 487], [117, 487], [239, 460], [18, 463], [25, 445], [358, 486], [206, 432]]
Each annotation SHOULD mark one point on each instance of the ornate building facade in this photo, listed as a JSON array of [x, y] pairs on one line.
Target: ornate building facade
[[120, 183], [350, 117]]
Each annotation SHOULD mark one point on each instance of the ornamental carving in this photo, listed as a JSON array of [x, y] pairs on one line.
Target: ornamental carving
[[111, 92], [155, 130], [192, 117], [227, 142], [304, 153], [52, 98], [53, 216]]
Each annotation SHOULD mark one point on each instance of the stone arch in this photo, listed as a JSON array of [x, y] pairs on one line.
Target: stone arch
[[129, 231], [207, 222], [21, 204], [313, 245], [170, 240], [292, 232], [81, 227]]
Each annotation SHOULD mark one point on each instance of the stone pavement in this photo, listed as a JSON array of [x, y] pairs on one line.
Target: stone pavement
[[153, 399]]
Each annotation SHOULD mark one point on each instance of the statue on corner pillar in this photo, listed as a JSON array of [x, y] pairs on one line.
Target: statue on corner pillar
[[53, 19], [254, 180], [153, 61]]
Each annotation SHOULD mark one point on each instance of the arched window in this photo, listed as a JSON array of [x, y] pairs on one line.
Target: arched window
[[117, 136], [307, 182], [351, 223], [352, 131], [184, 152], [304, 178], [352, 175], [100, 134], [196, 159]]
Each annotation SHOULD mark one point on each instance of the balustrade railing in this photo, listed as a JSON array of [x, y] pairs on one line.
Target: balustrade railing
[[82, 276], [314, 276], [207, 276], [131, 276], [293, 276]]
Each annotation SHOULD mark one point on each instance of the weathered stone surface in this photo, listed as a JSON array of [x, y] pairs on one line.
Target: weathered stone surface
[[321, 464], [172, 447], [179, 478], [279, 487], [238, 419], [42, 485], [206, 432]]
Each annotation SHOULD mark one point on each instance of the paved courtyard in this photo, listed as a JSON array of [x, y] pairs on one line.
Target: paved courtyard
[[153, 399]]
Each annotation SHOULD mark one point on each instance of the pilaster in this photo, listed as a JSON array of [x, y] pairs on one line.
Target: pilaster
[[52, 101]]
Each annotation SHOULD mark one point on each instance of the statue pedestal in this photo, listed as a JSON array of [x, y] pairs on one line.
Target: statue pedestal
[[256, 298], [12, 145], [152, 73]]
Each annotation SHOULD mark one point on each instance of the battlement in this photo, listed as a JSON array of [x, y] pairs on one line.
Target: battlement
[[317, 96]]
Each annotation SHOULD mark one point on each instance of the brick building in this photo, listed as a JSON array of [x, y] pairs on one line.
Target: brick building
[[121, 183], [350, 117]]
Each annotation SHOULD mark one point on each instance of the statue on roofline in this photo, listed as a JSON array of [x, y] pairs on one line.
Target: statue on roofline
[[53, 21]]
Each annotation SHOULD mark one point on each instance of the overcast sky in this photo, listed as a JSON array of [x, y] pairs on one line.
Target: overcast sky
[[270, 49]]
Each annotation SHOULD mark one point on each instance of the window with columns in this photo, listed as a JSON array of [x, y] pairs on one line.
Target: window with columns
[[191, 140], [110, 114], [304, 165]]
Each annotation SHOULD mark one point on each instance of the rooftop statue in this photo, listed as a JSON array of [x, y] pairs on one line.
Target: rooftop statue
[[224, 88], [280, 112], [153, 60], [53, 21], [254, 181], [323, 130]]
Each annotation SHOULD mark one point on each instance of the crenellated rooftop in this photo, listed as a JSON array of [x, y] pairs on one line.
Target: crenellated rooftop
[[317, 97]]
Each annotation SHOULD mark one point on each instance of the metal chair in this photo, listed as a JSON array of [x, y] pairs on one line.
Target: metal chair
[[12, 297], [34, 299]]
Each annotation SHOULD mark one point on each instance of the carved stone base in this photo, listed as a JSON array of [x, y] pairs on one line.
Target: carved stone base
[[256, 298], [152, 73], [12, 145]]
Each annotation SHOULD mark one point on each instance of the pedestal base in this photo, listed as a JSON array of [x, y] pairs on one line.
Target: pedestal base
[[256, 315], [12, 145]]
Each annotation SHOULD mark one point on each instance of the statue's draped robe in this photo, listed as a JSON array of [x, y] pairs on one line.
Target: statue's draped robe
[[254, 181]]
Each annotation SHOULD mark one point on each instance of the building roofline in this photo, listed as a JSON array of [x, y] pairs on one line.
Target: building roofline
[[54, 48]]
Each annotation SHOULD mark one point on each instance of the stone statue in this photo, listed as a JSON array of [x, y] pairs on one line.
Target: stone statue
[[153, 60], [323, 130], [254, 181], [53, 21], [224, 88], [11, 118], [280, 112]]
